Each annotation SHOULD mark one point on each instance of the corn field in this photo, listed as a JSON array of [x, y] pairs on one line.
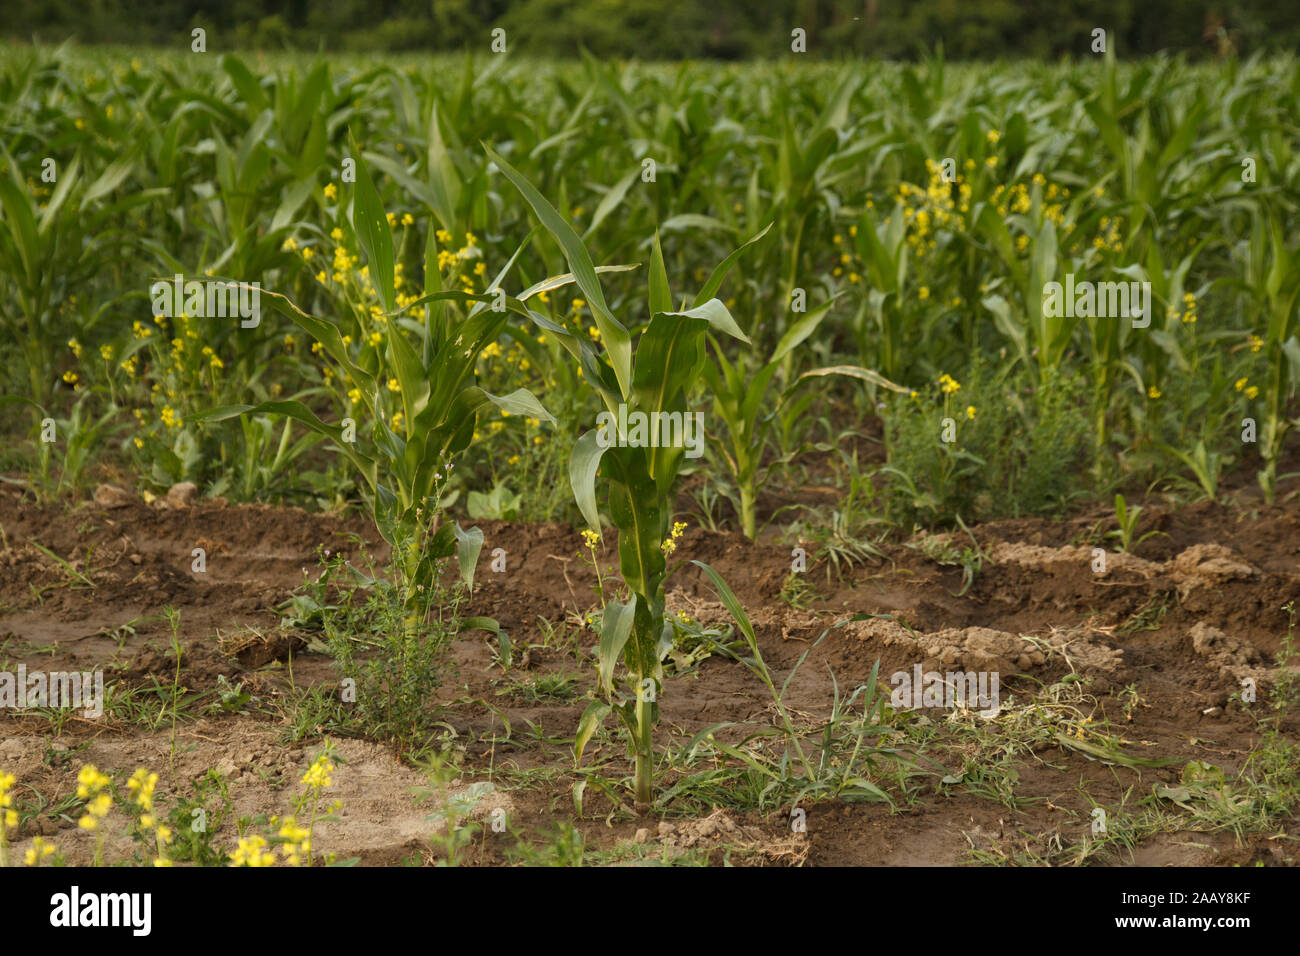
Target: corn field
[[870, 315]]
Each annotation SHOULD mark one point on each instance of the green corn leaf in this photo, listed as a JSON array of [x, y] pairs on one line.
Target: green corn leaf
[[615, 629], [719, 273], [610, 201], [854, 371], [801, 329], [615, 336], [373, 232], [584, 462], [588, 724], [468, 545], [661, 296], [556, 282]]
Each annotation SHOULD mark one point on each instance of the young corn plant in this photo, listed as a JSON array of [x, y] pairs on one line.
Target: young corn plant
[[1276, 290], [656, 378], [48, 250], [415, 383], [1127, 518], [741, 400]]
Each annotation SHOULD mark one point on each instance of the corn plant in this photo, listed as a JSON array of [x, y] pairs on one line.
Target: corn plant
[[1274, 278], [1127, 518], [415, 384], [49, 250], [740, 400], [656, 377]]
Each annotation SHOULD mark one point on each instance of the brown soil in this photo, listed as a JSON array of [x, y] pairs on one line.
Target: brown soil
[[1209, 590]]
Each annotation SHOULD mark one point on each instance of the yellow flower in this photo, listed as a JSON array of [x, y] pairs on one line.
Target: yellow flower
[[319, 774], [443, 236], [1241, 383], [407, 219], [394, 385], [252, 851], [950, 386], [993, 136], [39, 851], [991, 162], [590, 538], [970, 411], [354, 396], [923, 293], [1256, 343], [336, 234], [1252, 391], [1153, 392], [70, 377], [331, 191], [670, 545], [289, 245]]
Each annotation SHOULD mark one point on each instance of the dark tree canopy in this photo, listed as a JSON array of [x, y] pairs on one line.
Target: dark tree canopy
[[676, 29]]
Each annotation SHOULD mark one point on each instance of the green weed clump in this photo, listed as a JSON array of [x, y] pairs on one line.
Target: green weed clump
[[986, 447], [390, 668]]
